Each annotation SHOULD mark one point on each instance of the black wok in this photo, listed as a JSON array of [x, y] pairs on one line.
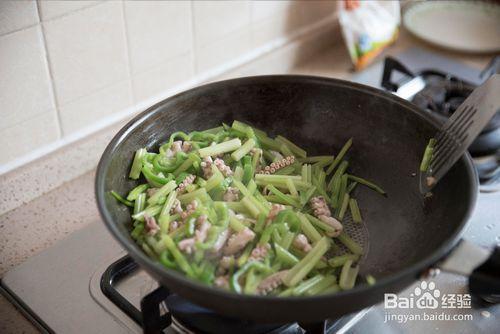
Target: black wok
[[406, 234]]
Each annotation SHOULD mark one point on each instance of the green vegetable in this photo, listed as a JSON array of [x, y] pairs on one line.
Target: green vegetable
[[244, 149], [239, 199], [134, 193], [234, 282], [367, 183], [121, 199], [224, 147], [348, 275], [355, 213], [301, 269], [427, 158], [339, 157], [135, 170], [339, 261]]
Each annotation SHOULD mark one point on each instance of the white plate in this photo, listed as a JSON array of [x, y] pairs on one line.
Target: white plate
[[470, 26]]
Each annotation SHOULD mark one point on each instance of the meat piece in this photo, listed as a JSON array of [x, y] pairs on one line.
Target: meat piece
[[301, 242], [176, 146], [319, 206], [271, 282], [221, 241], [206, 166], [187, 181], [187, 245], [238, 241], [259, 252], [321, 210], [200, 234], [231, 194], [337, 226], [151, 191], [203, 226], [225, 263], [275, 209], [186, 147], [190, 208], [222, 282], [173, 226], [221, 165], [176, 207], [151, 226]]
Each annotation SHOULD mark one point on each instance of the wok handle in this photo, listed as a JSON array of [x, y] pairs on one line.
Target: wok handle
[[480, 265]]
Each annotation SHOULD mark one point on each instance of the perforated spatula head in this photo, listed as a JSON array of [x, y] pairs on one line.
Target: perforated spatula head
[[461, 129]]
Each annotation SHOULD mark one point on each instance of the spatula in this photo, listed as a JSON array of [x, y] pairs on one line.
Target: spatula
[[460, 130]]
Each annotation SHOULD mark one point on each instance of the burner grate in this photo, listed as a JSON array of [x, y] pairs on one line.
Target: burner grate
[[154, 316]]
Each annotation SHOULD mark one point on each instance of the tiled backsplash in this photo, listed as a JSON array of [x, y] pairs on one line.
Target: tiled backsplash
[[67, 65]]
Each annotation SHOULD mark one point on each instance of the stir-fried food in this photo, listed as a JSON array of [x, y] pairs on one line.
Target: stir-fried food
[[235, 209]]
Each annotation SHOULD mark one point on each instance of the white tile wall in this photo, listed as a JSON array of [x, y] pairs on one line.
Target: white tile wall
[[160, 42], [221, 30], [28, 114], [148, 84], [157, 31], [66, 65], [50, 9], [15, 15], [85, 111], [87, 54], [25, 83], [271, 20]]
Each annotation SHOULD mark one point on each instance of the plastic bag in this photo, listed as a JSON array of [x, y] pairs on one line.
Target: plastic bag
[[368, 27]]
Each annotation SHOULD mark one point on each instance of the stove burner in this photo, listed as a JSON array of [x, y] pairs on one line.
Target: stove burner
[[196, 319], [441, 94], [161, 309]]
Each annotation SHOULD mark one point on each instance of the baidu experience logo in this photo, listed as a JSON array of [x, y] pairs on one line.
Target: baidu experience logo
[[425, 296], [423, 304]]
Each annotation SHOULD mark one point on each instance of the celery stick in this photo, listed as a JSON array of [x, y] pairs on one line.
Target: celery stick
[[343, 208], [244, 149], [135, 170], [134, 193], [301, 269], [291, 187], [162, 192], [348, 275], [297, 151], [367, 183], [339, 157], [197, 194], [352, 245], [355, 213], [324, 283], [306, 285], [224, 147], [236, 224], [164, 219], [339, 261], [308, 229], [285, 257], [254, 211]]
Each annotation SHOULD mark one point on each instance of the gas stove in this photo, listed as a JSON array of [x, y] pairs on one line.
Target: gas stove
[[439, 92], [86, 283]]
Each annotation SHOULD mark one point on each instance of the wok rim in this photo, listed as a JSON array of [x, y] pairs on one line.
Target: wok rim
[[159, 271]]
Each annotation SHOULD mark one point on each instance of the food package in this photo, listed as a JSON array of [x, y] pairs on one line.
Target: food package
[[368, 27]]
